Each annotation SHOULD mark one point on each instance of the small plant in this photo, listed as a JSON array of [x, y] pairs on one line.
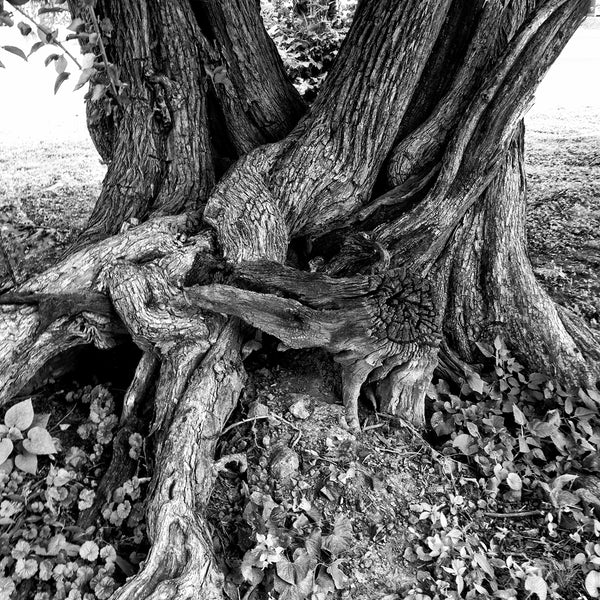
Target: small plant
[[44, 551], [518, 445], [107, 91], [293, 554], [24, 437]]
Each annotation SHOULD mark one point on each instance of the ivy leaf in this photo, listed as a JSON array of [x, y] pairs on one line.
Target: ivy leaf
[[476, 383], [20, 415], [17, 51], [6, 447], [536, 585], [592, 584], [290, 593], [41, 421], [520, 418], [39, 441], [514, 482], [7, 466], [465, 443], [313, 543], [60, 80], [250, 572], [340, 579], [285, 570], [27, 462], [341, 538]]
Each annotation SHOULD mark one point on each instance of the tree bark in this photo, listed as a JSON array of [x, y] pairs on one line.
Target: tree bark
[[402, 189], [190, 107]]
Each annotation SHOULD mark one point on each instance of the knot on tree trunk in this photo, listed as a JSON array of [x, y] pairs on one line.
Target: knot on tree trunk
[[405, 309]]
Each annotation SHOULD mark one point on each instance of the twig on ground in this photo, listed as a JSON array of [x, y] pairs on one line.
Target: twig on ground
[[515, 515]]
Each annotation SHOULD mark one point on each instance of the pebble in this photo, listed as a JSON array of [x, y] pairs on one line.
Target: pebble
[[300, 408], [284, 464]]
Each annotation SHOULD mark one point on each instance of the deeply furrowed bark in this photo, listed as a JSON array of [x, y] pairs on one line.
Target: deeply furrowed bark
[[163, 140], [442, 256]]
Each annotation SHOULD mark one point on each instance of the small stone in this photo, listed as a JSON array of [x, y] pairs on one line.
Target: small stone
[[300, 409], [257, 410], [284, 464]]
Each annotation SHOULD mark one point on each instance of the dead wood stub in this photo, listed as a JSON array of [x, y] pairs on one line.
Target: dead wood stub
[[405, 309]]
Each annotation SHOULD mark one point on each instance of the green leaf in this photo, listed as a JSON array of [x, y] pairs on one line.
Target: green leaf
[[476, 383], [340, 579], [36, 47], [20, 415], [520, 418], [313, 543], [285, 570], [106, 26], [341, 539], [27, 462], [60, 80], [514, 482], [50, 58], [290, 593], [41, 420], [39, 441], [6, 448], [61, 64], [592, 584], [481, 559], [7, 466], [536, 585], [98, 92], [84, 78], [18, 2], [250, 572], [465, 443], [17, 51]]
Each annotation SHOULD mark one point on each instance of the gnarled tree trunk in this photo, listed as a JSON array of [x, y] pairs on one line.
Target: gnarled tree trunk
[[385, 224]]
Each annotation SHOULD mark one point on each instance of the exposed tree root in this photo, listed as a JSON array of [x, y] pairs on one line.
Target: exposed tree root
[[373, 325]]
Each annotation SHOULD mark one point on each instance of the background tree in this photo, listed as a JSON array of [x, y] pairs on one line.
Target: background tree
[[384, 225]]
